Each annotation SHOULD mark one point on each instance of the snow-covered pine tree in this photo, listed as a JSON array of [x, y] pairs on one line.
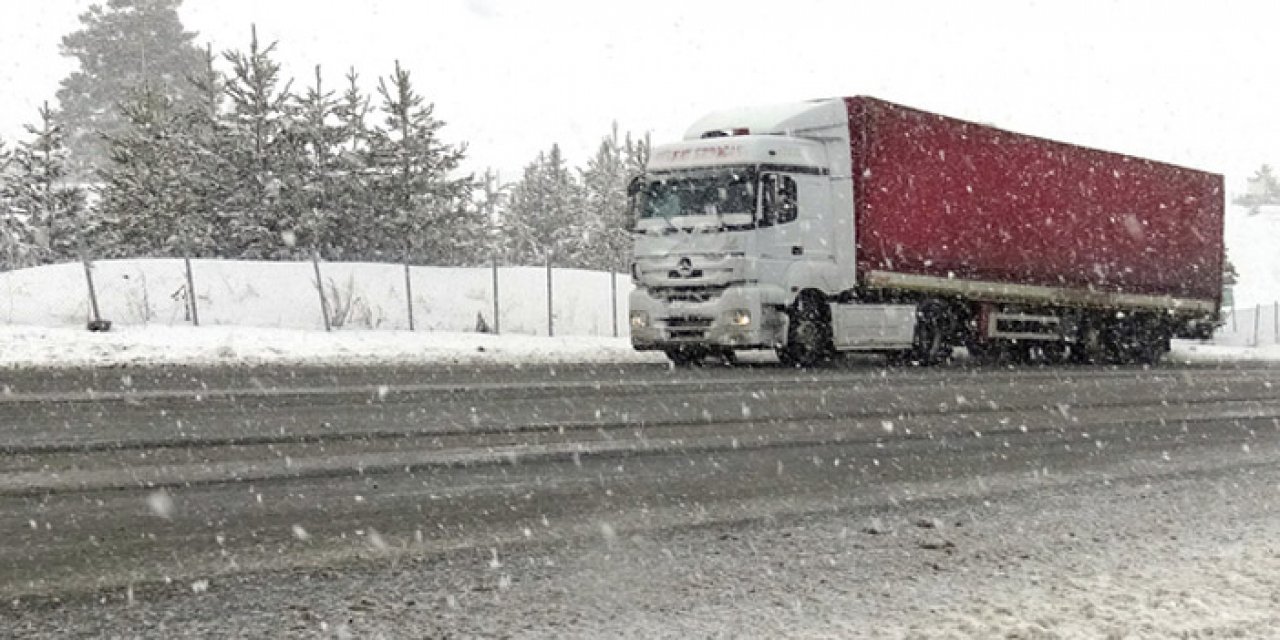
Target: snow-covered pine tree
[[490, 202], [16, 237], [267, 159], [606, 218], [37, 192], [143, 191], [118, 49], [210, 174], [350, 197], [544, 213], [323, 136], [422, 211]]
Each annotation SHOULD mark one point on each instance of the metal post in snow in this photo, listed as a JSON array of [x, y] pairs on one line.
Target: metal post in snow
[[497, 324], [1234, 328], [551, 323], [613, 296], [324, 304], [1257, 317], [191, 294], [93, 293], [408, 292]]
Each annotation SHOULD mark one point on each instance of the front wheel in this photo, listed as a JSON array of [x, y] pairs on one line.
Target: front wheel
[[685, 356], [808, 333]]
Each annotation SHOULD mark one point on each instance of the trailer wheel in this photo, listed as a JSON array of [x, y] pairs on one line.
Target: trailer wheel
[[1150, 343], [985, 353], [935, 332], [808, 333], [1088, 347]]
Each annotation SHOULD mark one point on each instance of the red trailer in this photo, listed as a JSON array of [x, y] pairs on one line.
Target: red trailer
[[948, 199]]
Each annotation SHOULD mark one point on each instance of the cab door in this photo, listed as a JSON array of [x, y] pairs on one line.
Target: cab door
[[786, 229]]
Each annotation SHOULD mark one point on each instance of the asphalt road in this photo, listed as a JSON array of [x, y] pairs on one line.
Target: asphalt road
[[144, 493]]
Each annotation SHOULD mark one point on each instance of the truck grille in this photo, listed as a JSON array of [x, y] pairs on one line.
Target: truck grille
[[688, 327], [689, 294]]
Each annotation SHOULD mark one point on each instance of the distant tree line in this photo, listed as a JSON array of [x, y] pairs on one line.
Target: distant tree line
[[206, 155]]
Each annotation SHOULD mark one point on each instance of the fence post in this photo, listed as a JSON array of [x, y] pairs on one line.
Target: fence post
[[551, 323], [191, 294], [93, 293], [408, 292], [1257, 318], [324, 304], [613, 296], [1275, 321], [497, 324]]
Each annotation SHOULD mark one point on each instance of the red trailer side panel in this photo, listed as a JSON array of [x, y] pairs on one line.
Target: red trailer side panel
[[943, 197]]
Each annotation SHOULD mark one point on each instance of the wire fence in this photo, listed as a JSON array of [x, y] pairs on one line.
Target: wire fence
[[496, 298], [1255, 326], [528, 300]]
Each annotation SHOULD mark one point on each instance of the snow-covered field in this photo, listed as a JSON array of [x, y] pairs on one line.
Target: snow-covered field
[[266, 312]]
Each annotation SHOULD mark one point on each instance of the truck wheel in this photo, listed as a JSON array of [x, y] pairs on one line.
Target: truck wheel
[[1088, 349], [1149, 346], [1054, 352], [986, 353], [808, 333], [935, 331], [685, 356]]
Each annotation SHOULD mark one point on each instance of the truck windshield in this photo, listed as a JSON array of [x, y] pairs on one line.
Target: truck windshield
[[729, 191]]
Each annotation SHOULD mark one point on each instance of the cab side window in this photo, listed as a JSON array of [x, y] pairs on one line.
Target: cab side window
[[779, 200]]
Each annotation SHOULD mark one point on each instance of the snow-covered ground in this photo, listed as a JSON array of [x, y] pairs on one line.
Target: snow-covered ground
[[263, 312], [268, 312], [27, 346]]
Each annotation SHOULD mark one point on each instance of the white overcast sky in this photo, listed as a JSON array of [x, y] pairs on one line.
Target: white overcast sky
[[1195, 83]]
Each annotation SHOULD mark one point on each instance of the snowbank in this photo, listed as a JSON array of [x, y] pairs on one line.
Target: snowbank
[[26, 346]]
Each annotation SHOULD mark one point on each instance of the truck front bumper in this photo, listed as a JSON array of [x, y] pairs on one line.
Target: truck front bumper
[[737, 318]]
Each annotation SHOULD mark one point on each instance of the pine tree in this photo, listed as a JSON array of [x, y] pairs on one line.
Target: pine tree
[[490, 201], [265, 155], [350, 196], [128, 46], [37, 194], [1229, 274], [422, 211], [210, 172], [151, 196], [606, 217], [322, 136], [165, 190], [542, 218], [16, 237]]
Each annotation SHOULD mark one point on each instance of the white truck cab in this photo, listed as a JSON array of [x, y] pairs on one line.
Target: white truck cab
[[744, 229]]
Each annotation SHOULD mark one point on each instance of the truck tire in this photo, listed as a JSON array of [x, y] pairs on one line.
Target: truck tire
[[685, 356], [935, 333], [1088, 347], [808, 333]]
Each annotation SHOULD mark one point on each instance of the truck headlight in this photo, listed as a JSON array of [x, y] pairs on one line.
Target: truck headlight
[[739, 318], [639, 319]]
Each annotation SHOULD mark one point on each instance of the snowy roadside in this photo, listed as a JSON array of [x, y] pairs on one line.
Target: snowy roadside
[[28, 347], [1199, 352], [46, 347]]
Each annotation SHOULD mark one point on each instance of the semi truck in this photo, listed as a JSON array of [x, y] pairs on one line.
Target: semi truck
[[861, 225]]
